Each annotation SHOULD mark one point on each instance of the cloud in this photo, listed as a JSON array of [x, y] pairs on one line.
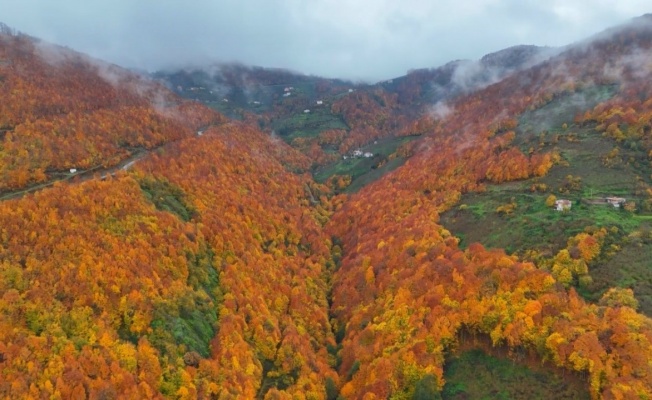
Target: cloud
[[353, 39], [440, 110]]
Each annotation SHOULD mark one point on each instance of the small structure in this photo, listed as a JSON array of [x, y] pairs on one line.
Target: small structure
[[616, 201], [199, 133], [306, 111], [357, 153], [225, 100], [563, 205], [350, 90], [368, 155], [345, 157], [286, 94], [73, 170], [320, 102]]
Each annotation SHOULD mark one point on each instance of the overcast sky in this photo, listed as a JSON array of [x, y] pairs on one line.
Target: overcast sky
[[365, 39]]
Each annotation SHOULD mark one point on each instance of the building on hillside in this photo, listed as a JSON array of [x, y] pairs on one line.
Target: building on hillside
[[320, 102], [306, 111], [368, 155], [616, 201], [357, 153], [563, 205]]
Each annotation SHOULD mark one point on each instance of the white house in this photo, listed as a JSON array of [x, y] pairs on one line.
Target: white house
[[616, 201], [563, 205], [350, 90], [357, 153], [73, 170], [306, 111], [320, 102], [368, 154], [287, 94]]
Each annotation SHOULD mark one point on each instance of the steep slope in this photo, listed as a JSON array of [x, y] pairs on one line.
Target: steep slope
[[199, 272], [273, 99], [272, 260], [424, 87], [222, 294], [62, 110], [405, 290]]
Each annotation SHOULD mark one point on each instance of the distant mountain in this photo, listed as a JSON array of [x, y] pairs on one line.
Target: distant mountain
[[303, 109], [236, 88], [429, 86], [256, 89]]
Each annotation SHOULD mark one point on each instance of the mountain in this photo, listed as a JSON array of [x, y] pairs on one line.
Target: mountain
[[197, 258], [62, 110], [328, 119]]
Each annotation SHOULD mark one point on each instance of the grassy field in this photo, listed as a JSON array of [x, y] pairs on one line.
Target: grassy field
[[476, 375], [533, 225], [631, 267], [366, 170], [562, 109], [308, 124]]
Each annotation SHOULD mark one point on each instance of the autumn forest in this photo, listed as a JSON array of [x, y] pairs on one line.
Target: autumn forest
[[155, 243]]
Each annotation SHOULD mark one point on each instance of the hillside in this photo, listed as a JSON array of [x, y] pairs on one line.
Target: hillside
[[63, 111], [229, 262], [328, 119]]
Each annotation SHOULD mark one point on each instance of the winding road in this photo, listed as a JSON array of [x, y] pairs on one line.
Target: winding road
[[92, 173]]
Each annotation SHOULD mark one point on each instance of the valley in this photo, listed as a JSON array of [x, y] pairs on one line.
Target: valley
[[481, 229]]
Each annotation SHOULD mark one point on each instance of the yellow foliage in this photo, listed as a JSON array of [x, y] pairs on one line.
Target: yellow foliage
[[550, 200]]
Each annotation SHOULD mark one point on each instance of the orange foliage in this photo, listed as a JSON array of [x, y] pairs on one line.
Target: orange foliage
[[62, 110]]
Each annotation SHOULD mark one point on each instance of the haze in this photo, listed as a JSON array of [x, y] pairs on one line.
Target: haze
[[366, 40]]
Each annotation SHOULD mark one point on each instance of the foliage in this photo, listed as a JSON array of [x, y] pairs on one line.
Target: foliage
[[167, 197], [237, 292]]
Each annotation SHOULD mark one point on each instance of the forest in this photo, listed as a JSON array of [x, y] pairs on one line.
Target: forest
[[217, 267]]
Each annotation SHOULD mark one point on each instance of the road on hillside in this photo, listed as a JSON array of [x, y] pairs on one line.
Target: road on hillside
[[92, 173], [80, 176]]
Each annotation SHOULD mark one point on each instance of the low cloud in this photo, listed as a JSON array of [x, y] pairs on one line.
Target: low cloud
[[353, 39], [440, 110]]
